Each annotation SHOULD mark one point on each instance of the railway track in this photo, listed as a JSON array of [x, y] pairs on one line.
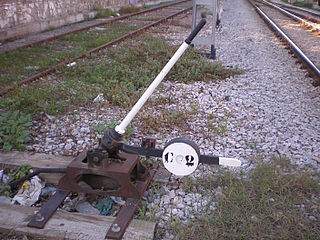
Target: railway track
[[304, 43], [73, 28], [310, 15], [23, 66], [297, 15]]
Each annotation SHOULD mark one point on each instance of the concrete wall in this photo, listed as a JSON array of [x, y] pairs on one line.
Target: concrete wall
[[22, 17]]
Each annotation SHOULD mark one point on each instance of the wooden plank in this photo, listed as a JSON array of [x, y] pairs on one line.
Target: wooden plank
[[40, 160], [35, 160], [66, 225]]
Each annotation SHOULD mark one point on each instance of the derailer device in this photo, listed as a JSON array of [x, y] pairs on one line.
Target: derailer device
[[114, 168]]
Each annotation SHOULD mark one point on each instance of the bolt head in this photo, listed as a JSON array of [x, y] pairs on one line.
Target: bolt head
[[115, 228]]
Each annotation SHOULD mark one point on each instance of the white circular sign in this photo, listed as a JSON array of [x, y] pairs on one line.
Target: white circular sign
[[180, 157]]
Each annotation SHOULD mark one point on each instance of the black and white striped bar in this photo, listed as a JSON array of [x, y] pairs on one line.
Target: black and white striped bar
[[223, 161]]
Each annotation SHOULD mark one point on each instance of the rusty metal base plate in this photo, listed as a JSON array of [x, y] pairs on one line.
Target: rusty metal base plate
[[40, 218]]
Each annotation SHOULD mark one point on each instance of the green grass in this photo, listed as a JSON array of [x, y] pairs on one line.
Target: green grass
[[19, 64], [300, 4], [159, 121], [129, 9], [14, 130], [105, 13], [303, 5], [264, 205], [217, 125], [14, 174], [91, 39], [120, 74]]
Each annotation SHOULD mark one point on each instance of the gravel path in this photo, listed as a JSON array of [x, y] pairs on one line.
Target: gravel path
[[270, 110], [274, 103]]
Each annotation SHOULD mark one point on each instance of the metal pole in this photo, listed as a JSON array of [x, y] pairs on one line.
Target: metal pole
[[121, 128], [194, 14]]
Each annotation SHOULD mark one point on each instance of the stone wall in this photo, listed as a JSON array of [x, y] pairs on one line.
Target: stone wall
[[21, 17]]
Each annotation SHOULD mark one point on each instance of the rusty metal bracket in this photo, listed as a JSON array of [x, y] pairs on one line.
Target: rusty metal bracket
[[40, 218], [126, 213]]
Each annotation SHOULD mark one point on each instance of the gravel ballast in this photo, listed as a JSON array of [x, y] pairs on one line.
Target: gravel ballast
[[271, 109]]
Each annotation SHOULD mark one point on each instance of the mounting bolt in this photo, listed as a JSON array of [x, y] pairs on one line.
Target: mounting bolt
[[39, 217], [95, 160], [115, 228]]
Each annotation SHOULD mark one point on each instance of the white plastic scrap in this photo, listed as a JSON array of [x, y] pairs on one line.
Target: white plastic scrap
[[3, 177], [118, 200], [29, 192], [71, 64], [99, 98], [100, 29]]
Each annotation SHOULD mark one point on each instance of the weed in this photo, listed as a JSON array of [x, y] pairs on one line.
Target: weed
[[5, 190], [303, 5], [166, 119], [49, 29], [129, 9], [14, 130], [142, 211], [188, 184], [14, 174], [105, 13], [121, 76], [19, 64], [252, 145], [156, 188], [160, 101], [283, 163], [101, 128], [263, 205], [300, 4], [129, 130], [20, 172], [217, 125], [146, 214], [113, 123]]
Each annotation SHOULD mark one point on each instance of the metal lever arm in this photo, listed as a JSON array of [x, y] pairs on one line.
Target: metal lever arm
[[121, 128], [151, 152], [195, 31]]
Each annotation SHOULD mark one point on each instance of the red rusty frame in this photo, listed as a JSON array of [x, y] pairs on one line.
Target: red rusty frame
[[127, 171]]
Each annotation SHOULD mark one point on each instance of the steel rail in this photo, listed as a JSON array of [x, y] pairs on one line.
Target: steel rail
[[310, 19], [107, 21], [315, 70], [299, 8], [293, 16], [67, 61]]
